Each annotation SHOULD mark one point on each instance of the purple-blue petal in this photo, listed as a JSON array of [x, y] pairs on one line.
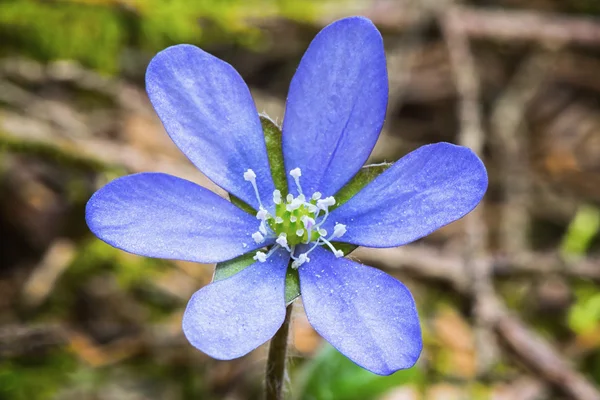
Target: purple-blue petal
[[423, 191], [208, 112], [229, 318], [336, 105], [159, 215], [366, 314]]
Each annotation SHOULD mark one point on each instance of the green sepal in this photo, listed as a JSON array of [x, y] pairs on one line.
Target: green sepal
[[272, 135], [358, 182], [226, 269], [292, 285], [229, 268], [275, 153]]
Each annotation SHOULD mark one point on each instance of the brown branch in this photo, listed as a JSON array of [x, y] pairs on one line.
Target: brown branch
[[496, 24], [511, 143], [527, 26]]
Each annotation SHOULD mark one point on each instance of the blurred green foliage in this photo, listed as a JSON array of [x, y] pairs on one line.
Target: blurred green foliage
[[584, 315], [97, 33], [333, 376], [37, 378], [582, 230]]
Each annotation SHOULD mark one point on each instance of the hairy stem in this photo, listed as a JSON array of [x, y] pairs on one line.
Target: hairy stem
[[276, 362]]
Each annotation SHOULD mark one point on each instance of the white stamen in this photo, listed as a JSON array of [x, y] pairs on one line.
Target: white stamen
[[302, 258], [316, 195], [277, 196], [282, 241], [338, 231], [294, 205], [293, 218], [289, 198], [296, 174], [250, 176], [308, 222], [262, 228], [300, 232], [325, 203], [322, 232], [260, 256], [336, 252], [258, 237], [278, 220], [311, 208], [262, 214]]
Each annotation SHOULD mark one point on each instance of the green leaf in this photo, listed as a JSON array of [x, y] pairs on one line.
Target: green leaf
[[359, 181], [332, 376], [275, 153]]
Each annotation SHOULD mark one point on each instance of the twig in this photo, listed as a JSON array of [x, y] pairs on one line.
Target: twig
[[498, 24], [527, 26], [511, 143], [471, 135]]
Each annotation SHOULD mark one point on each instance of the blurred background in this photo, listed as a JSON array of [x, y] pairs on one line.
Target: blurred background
[[508, 296]]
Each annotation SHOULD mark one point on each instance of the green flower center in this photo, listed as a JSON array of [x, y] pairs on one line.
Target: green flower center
[[294, 221]]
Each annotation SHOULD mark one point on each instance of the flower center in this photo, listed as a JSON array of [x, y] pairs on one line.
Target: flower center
[[295, 220]]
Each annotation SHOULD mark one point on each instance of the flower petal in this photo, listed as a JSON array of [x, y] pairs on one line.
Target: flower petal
[[336, 105], [229, 318], [363, 312], [207, 110], [423, 191], [159, 215]]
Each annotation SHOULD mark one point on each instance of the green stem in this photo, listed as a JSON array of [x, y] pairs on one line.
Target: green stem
[[276, 362]]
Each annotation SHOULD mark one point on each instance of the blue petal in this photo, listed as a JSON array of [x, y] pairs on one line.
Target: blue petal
[[229, 318], [423, 191], [336, 105], [159, 215], [363, 312], [207, 110]]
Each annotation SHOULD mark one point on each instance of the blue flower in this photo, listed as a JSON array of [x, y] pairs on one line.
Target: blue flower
[[335, 110]]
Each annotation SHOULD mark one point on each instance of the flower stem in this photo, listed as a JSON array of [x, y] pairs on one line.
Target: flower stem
[[276, 361]]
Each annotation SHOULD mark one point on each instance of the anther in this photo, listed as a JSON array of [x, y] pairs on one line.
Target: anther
[[260, 256], [258, 237], [302, 258], [316, 195], [262, 214], [325, 203], [250, 176], [293, 218], [278, 220], [322, 232], [338, 231], [282, 241], [300, 232], [276, 196]]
